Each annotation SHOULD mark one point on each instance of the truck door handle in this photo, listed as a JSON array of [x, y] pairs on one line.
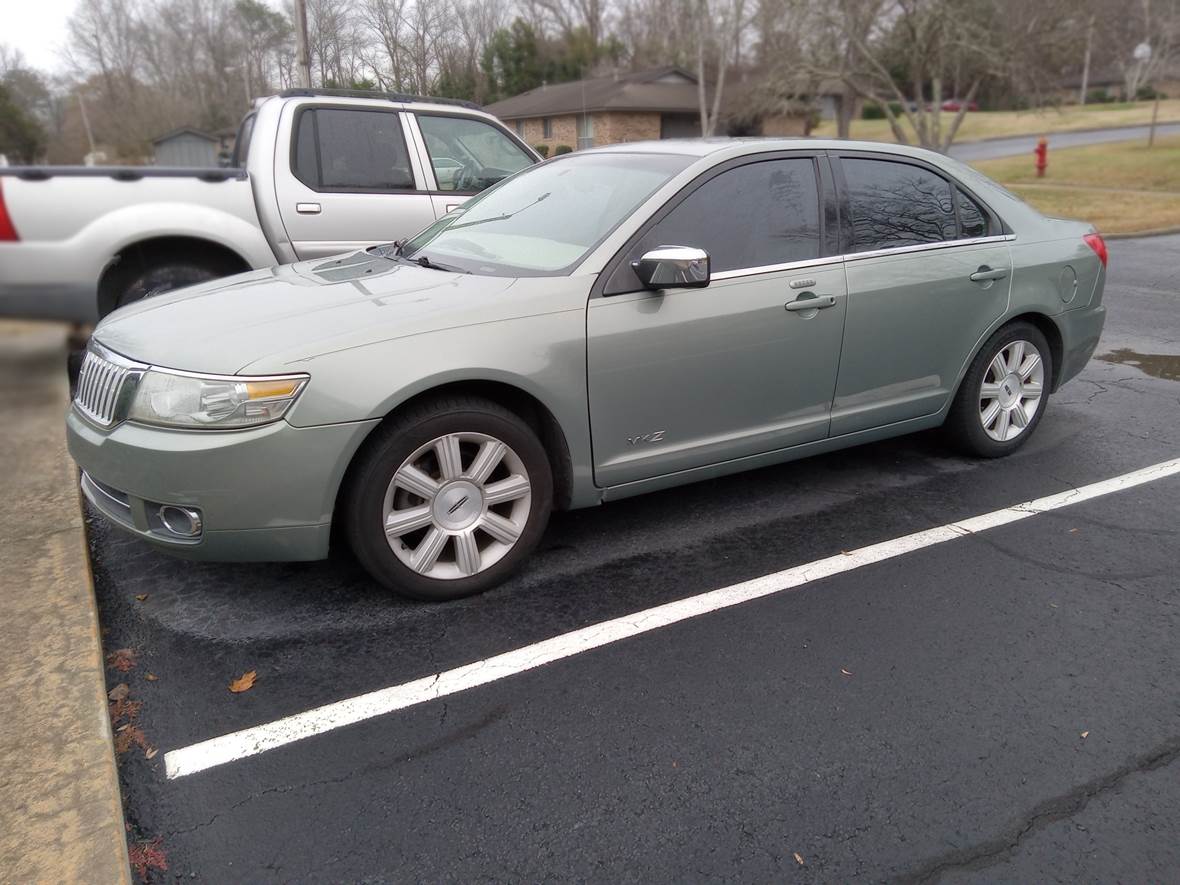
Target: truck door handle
[[307, 208], [986, 273], [814, 303]]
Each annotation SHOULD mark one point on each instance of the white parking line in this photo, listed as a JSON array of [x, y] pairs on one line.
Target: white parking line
[[260, 738]]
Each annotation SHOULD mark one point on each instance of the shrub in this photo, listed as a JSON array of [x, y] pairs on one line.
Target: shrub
[[563, 149], [873, 111], [1148, 93], [542, 149], [1098, 96]]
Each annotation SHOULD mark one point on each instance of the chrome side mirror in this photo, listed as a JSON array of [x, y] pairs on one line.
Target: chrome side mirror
[[673, 267]]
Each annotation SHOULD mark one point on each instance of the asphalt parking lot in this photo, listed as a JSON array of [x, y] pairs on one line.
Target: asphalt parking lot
[[999, 707]]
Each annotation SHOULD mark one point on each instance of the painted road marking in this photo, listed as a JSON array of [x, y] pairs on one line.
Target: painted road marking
[[260, 738]]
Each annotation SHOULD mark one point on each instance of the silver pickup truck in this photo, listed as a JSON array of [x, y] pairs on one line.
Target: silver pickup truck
[[315, 173]]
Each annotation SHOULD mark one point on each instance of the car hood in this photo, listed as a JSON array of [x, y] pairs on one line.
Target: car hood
[[297, 311]]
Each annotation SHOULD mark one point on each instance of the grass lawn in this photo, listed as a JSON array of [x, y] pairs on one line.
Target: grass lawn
[[1122, 187], [995, 124]]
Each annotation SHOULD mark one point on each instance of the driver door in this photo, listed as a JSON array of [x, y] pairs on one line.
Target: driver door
[[683, 378]]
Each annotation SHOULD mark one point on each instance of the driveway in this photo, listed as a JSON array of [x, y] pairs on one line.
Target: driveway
[[998, 706], [970, 151]]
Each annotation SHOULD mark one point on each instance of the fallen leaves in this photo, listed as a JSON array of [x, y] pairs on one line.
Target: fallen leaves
[[845, 672], [146, 856], [245, 682], [119, 692], [798, 858], [1085, 734], [151, 677], [129, 736], [122, 659], [140, 597]]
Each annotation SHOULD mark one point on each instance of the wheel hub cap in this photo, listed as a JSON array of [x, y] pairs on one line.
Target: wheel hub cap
[[1010, 391], [1010, 395], [457, 506]]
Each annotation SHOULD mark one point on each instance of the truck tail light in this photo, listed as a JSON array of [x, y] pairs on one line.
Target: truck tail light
[[1095, 242], [7, 230]]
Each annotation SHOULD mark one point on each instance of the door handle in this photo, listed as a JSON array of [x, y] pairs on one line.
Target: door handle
[[818, 303], [986, 273], [307, 208]]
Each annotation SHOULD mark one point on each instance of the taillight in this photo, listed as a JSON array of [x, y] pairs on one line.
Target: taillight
[[7, 231], [1095, 242]]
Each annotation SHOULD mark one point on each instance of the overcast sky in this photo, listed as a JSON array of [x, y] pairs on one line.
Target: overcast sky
[[38, 29]]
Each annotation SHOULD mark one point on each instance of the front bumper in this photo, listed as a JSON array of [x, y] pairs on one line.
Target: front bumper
[[264, 494]]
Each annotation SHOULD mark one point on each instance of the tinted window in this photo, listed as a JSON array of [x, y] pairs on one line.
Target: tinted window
[[346, 150], [752, 216], [469, 155], [895, 204], [972, 219]]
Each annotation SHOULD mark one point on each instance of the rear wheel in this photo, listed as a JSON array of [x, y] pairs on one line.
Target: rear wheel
[[1004, 393], [449, 500]]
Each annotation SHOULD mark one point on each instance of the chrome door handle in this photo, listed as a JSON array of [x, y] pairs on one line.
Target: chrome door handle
[[307, 208], [986, 273], [812, 303]]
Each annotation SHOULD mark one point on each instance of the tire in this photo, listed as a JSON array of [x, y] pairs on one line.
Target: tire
[[995, 421], [136, 279], [446, 540]]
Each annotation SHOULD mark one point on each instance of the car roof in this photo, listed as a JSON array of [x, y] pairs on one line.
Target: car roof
[[704, 147]]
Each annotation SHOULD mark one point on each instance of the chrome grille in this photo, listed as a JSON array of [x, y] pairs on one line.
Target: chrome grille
[[100, 381]]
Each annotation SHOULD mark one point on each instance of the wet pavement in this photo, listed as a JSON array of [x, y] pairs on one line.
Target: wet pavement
[[998, 708]]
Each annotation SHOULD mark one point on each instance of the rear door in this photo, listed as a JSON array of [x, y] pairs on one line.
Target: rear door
[[465, 155], [929, 272], [684, 378], [349, 179]]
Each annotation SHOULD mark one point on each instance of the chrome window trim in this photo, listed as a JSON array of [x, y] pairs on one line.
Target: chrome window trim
[[926, 247], [775, 268], [855, 256]]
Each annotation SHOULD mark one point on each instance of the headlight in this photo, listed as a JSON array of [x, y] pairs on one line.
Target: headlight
[[215, 402]]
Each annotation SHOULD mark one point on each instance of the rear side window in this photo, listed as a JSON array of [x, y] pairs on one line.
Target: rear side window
[[972, 219], [895, 204], [756, 215], [351, 151], [469, 155]]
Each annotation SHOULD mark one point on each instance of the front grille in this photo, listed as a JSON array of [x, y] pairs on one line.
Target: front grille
[[100, 382]]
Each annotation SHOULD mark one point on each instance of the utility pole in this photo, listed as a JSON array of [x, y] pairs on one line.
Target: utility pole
[[302, 54], [86, 124], [1086, 63]]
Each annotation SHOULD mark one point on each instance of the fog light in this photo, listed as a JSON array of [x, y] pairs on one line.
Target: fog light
[[183, 522]]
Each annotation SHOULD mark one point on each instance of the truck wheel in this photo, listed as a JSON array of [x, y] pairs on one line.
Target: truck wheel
[[135, 278], [448, 499]]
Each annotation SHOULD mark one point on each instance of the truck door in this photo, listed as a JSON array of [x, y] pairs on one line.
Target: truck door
[[349, 180]]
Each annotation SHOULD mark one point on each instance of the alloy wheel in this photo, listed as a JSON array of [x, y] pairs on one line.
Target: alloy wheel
[[457, 505], [1011, 392]]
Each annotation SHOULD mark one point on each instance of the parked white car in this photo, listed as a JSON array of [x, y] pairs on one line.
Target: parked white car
[[316, 172]]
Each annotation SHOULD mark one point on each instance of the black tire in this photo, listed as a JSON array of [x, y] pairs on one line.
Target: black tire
[[134, 279], [963, 425], [363, 501]]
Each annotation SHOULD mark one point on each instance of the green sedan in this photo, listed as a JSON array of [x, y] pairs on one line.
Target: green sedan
[[607, 323]]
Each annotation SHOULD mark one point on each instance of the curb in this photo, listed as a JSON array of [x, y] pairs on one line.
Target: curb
[[60, 791], [1134, 235]]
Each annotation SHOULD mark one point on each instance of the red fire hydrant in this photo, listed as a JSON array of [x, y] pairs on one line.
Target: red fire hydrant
[[1042, 152]]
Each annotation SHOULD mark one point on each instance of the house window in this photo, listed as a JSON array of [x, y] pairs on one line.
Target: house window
[[546, 127], [520, 128], [585, 131]]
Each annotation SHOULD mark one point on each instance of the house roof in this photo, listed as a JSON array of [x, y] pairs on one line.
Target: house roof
[[668, 90], [184, 130]]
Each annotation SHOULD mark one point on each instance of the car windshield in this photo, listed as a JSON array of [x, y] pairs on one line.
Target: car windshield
[[544, 220]]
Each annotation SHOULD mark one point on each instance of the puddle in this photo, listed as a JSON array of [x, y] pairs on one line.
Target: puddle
[[1161, 365]]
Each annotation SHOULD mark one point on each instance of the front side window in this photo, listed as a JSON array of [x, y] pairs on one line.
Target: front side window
[[892, 205], [545, 220], [347, 150], [469, 155], [756, 215]]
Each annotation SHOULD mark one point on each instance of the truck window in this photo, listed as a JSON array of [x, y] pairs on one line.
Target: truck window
[[469, 155], [351, 151]]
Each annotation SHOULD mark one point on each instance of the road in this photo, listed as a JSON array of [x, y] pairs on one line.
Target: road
[[971, 151], [999, 707]]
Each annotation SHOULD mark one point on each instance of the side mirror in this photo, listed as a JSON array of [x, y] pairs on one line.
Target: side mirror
[[673, 267]]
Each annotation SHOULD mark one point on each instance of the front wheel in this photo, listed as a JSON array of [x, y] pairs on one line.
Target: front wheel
[[449, 499], [1004, 393]]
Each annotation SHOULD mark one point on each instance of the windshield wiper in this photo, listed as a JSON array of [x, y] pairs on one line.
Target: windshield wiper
[[423, 261], [501, 217]]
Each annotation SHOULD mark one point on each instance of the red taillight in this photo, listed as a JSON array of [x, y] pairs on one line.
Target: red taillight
[[1095, 242], [7, 230]]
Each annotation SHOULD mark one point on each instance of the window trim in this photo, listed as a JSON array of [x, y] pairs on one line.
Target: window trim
[[995, 223], [829, 251], [495, 124], [294, 138]]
